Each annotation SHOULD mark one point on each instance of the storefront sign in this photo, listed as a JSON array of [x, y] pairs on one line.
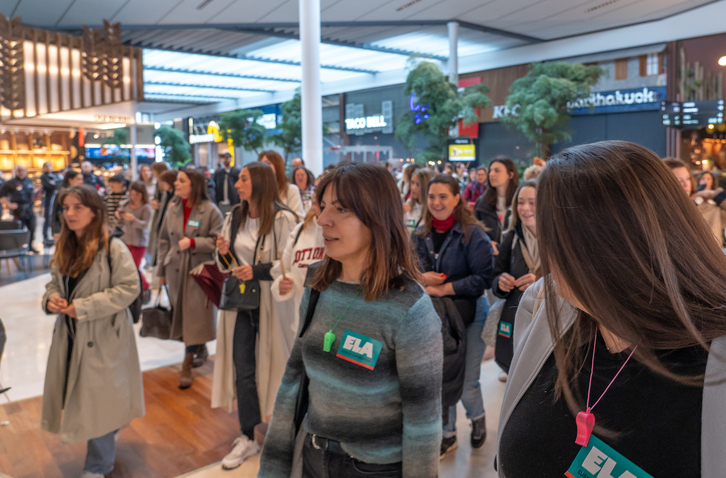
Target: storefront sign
[[367, 122], [201, 138], [619, 100]]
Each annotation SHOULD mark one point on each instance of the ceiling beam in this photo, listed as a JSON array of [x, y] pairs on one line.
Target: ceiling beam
[[350, 24], [282, 33], [211, 73], [252, 58], [175, 95], [211, 87]]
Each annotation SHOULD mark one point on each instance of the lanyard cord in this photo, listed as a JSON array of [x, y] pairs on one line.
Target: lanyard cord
[[340, 317], [592, 369]]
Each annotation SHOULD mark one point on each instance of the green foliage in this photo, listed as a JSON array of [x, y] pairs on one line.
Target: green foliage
[[120, 136], [542, 95], [242, 128], [175, 146], [444, 106], [290, 136]]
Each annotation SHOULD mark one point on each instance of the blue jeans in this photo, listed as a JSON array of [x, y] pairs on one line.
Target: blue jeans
[[471, 396], [101, 454]]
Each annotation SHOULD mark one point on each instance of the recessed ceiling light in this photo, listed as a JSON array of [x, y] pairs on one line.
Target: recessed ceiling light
[[722, 61]]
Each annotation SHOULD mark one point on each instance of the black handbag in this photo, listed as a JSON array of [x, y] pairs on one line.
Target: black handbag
[[156, 320], [237, 294], [303, 398]]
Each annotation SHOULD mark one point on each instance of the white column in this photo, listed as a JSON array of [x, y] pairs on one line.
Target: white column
[[312, 105], [134, 162], [453, 52]]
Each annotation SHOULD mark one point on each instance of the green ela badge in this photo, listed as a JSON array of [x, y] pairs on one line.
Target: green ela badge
[[359, 349], [194, 223], [597, 460], [505, 329]]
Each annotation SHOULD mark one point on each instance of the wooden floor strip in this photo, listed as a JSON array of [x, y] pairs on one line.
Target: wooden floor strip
[[179, 434]]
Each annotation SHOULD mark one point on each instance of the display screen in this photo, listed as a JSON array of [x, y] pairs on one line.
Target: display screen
[[113, 151], [692, 114]]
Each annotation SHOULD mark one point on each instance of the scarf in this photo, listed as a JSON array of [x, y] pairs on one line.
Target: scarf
[[444, 225], [530, 241]]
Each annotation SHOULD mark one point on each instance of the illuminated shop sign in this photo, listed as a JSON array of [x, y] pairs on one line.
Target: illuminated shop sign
[[368, 122], [201, 138]]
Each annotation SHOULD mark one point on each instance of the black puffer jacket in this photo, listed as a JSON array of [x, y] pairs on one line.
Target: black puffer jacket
[[487, 215], [453, 332], [511, 261]]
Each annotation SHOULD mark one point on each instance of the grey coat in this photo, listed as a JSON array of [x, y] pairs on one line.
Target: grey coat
[[533, 344], [194, 314], [105, 390]]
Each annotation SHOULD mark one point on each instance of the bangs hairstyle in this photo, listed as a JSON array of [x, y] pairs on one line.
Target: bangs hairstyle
[[276, 160], [140, 187], [370, 192], [310, 176], [73, 256], [199, 187], [462, 214], [264, 197], [614, 225], [515, 202], [490, 195]]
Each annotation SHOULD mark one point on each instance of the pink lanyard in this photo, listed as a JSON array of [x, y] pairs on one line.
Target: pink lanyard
[[586, 420]]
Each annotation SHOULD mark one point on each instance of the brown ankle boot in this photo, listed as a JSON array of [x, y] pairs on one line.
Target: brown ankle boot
[[201, 356], [185, 377]]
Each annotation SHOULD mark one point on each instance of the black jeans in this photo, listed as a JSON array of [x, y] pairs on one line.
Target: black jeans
[[323, 459], [29, 222], [47, 213], [243, 355]]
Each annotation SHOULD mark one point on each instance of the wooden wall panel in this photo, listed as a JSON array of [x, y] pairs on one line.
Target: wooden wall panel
[[498, 81]]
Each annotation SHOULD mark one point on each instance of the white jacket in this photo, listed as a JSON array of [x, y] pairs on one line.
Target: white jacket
[[296, 258]]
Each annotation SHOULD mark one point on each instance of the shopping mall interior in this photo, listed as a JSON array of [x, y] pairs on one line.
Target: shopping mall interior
[[106, 89]]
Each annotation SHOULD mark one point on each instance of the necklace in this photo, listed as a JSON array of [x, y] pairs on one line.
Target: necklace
[[586, 420], [329, 337]]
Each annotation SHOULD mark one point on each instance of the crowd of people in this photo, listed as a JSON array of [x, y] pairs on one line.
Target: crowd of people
[[355, 310]]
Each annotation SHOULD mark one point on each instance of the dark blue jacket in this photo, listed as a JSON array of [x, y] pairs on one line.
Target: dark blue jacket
[[468, 266]]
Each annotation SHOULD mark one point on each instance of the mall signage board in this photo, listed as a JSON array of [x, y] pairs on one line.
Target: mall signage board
[[358, 123], [692, 114], [462, 149]]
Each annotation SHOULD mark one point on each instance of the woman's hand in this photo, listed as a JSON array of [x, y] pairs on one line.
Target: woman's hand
[[433, 278], [56, 304], [222, 245], [162, 281], [128, 216], [406, 208], [117, 214], [440, 290], [70, 311], [495, 247], [506, 282], [243, 273], [525, 281], [155, 204], [286, 286], [185, 244]]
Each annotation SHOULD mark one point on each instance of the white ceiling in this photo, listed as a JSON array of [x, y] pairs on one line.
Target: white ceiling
[[228, 51]]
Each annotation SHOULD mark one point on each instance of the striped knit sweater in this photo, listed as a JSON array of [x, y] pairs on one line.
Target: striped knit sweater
[[378, 390]]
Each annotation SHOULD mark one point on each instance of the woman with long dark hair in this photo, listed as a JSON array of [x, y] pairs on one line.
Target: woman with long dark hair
[[619, 350], [517, 266], [457, 261], [254, 343], [493, 208], [93, 381], [133, 218], [289, 193], [370, 345], [187, 239]]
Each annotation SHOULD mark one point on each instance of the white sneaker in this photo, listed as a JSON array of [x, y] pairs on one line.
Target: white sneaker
[[503, 377], [243, 449], [88, 474]]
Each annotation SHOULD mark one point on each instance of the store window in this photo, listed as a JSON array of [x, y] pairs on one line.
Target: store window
[[621, 69], [651, 64]]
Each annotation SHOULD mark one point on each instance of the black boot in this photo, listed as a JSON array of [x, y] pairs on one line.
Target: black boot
[[478, 432]]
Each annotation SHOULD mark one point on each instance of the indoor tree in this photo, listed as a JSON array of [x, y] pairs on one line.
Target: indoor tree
[[289, 137], [242, 128], [177, 150], [439, 107], [542, 96]]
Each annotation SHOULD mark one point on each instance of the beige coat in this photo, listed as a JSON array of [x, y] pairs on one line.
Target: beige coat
[[275, 337], [193, 317], [715, 216], [105, 390]]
